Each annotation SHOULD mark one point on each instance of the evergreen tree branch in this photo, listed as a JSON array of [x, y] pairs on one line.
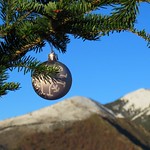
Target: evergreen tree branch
[[26, 48], [30, 64], [28, 24], [6, 86], [142, 34]]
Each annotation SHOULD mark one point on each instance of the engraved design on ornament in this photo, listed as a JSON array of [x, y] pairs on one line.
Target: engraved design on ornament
[[56, 87]]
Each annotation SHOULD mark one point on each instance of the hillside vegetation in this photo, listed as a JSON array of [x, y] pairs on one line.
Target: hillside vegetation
[[94, 133]]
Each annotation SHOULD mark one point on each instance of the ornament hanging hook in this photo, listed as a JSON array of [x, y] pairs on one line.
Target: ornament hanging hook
[[51, 48]]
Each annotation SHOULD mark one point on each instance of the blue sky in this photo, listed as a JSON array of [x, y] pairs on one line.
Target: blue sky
[[103, 70]]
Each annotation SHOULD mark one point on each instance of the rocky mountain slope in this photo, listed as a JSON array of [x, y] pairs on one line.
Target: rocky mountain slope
[[134, 106], [77, 123]]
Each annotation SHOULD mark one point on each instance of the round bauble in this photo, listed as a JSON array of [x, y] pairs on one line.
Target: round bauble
[[56, 87]]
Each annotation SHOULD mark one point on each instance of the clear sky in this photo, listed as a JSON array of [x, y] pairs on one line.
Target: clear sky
[[103, 70]]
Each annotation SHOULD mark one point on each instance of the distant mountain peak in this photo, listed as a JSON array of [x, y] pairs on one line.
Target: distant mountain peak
[[140, 99], [71, 109], [134, 106]]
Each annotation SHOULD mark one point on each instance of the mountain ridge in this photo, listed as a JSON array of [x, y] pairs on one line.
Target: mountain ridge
[[135, 97], [77, 123], [135, 106], [59, 112]]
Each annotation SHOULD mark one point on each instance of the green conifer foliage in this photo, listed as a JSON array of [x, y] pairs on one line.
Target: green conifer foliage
[[26, 25]]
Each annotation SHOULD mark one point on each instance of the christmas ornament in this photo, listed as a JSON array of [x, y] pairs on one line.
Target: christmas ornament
[[58, 86]]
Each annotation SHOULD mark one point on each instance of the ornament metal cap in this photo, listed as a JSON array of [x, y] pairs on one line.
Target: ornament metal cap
[[52, 57]]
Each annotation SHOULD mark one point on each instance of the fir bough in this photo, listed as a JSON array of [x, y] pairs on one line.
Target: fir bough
[[26, 25]]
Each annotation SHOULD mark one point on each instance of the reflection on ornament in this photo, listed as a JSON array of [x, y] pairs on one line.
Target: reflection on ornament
[[54, 88]]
